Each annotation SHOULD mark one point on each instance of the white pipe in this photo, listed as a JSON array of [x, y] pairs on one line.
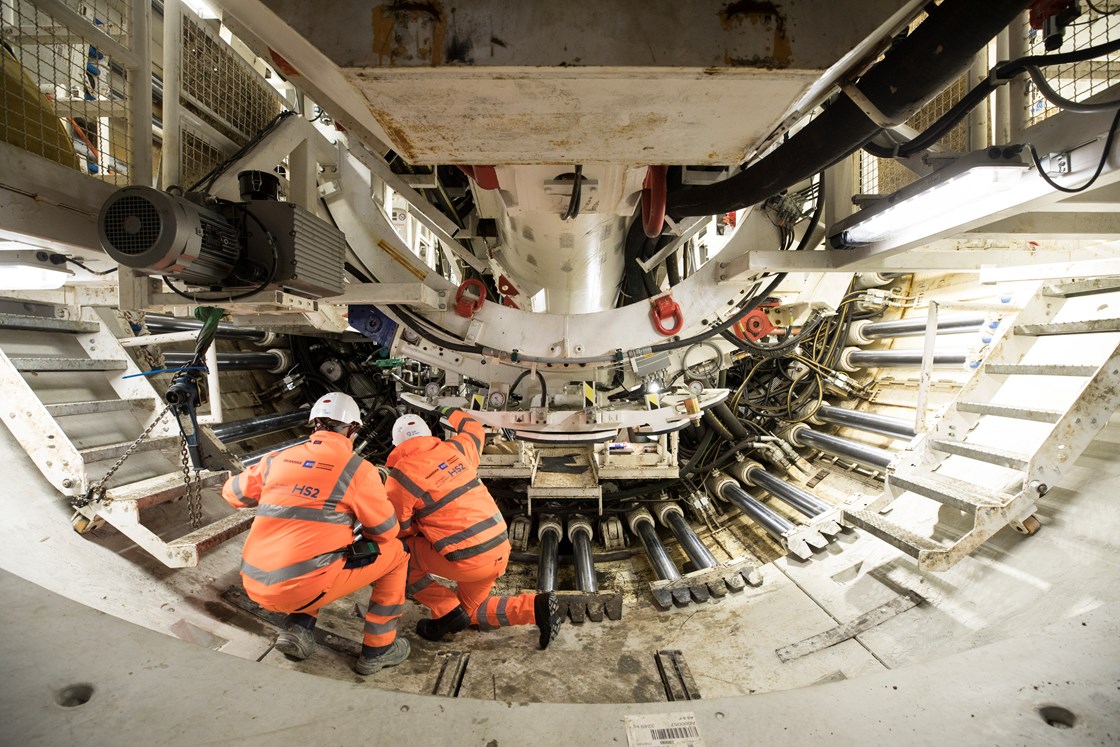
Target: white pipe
[[140, 93], [172, 66], [213, 388], [160, 339]]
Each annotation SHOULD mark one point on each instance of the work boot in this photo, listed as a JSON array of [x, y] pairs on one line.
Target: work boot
[[546, 610], [392, 655], [296, 642], [434, 630]]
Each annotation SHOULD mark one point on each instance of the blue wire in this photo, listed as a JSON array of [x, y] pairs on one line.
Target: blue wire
[[155, 371]]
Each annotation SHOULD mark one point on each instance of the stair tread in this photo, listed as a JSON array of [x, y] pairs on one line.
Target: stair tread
[[948, 490], [46, 324], [1084, 326], [112, 451], [1040, 369], [1010, 411], [217, 532], [62, 409], [43, 363], [894, 535], [1001, 457], [161, 488]]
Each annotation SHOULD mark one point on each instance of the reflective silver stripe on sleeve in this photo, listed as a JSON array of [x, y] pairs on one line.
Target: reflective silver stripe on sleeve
[[235, 486], [406, 482], [288, 572], [267, 469], [458, 447], [420, 585], [477, 443], [343, 483], [406, 523], [384, 526], [471, 531], [470, 552], [502, 619], [430, 509], [301, 513], [373, 628], [393, 610]]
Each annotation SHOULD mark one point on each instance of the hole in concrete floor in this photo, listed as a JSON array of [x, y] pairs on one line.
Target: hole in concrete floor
[[74, 695], [1058, 717]]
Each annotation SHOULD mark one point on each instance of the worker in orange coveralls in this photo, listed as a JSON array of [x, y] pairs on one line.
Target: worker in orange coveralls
[[454, 530], [301, 553]]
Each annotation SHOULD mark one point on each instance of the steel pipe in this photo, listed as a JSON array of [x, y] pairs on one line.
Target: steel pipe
[[776, 525], [869, 456], [158, 323], [580, 533], [854, 359], [252, 457], [672, 516], [240, 430], [272, 361], [752, 473], [549, 536], [865, 421], [863, 332], [641, 524]]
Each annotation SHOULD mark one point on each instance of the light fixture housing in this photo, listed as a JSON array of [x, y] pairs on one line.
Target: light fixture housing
[[972, 186], [31, 269]]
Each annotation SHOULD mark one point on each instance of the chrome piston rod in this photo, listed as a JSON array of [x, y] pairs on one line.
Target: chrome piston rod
[[641, 524], [672, 516], [854, 359], [580, 533], [159, 323], [864, 332], [869, 456], [865, 421], [240, 430], [752, 473], [776, 525], [549, 535], [273, 361]]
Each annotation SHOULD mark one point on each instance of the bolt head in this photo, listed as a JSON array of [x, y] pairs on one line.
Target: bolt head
[[67, 483]]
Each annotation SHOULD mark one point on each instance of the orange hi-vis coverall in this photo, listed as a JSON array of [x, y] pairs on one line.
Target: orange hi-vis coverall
[[454, 529], [308, 499]]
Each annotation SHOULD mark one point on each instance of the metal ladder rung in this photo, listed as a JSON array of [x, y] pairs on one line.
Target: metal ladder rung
[[46, 324], [1038, 369], [160, 489], [987, 454], [1007, 411], [62, 409], [873, 523], [956, 493], [68, 364], [112, 451], [1087, 326]]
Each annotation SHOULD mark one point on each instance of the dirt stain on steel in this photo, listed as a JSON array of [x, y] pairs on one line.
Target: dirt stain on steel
[[408, 33], [755, 12]]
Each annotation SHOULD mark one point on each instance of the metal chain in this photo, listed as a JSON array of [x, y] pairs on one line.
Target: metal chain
[[96, 493], [193, 486]]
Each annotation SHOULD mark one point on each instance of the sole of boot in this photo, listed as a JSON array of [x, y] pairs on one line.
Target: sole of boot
[[292, 647], [551, 629]]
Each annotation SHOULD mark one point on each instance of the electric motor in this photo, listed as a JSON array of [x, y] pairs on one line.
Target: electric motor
[[161, 234]]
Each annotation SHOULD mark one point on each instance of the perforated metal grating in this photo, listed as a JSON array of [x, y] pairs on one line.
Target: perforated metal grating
[[221, 87], [1080, 80], [64, 97]]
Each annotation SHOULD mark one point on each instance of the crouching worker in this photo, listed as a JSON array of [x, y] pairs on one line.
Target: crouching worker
[[301, 552], [454, 530]]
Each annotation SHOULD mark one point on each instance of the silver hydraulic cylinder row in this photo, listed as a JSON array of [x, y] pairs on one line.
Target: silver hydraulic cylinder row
[[854, 359], [798, 539], [273, 361], [250, 458], [802, 501], [641, 524], [864, 332], [865, 421], [803, 436], [159, 323], [242, 430]]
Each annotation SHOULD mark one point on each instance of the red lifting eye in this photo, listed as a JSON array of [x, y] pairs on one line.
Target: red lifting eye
[[665, 308], [470, 297]]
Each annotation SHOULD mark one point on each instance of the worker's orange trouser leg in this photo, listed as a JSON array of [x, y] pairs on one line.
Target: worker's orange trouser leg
[[474, 579], [386, 600]]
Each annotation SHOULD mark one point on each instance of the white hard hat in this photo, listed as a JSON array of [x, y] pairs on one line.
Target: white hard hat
[[409, 426], [336, 406]]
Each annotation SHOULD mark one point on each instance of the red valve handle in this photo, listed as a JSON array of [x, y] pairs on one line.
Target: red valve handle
[[666, 308], [465, 305]]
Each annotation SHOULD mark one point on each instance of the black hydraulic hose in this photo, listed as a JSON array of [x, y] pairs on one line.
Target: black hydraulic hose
[[780, 349], [717, 426], [726, 325], [672, 270], [910, 73], [727, 418], [540, 380]]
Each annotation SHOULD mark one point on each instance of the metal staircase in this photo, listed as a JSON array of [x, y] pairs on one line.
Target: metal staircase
[[68, 400], [1022, 365]]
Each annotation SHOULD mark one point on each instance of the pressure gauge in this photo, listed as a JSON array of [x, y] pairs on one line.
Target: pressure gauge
[[431, 390], [496, 400], [695, 387]]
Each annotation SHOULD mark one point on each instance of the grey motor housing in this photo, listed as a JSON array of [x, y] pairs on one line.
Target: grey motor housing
[[162, 234]]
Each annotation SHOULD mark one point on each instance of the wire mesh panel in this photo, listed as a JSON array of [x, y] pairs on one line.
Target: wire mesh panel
[[64, 96], [1098, 23], [221, 87], [199, 156]]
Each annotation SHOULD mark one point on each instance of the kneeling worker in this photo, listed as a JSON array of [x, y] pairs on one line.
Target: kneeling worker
[[455, 530], [301, 552]]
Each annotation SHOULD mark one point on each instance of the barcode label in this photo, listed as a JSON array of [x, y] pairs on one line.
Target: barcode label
[[663, 730]]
